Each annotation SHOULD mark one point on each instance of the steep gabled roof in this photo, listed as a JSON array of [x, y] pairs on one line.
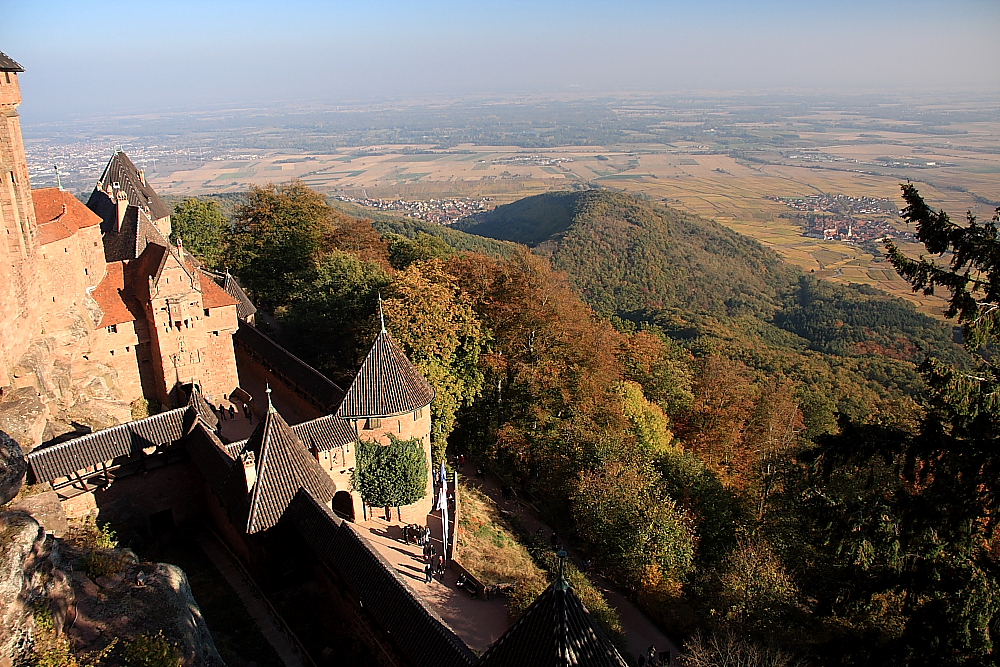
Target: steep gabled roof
[[283, 467], [386, 385], [7, 64], [244, 307], [555, 631], [60, 214], [292, 371], [122, 171]]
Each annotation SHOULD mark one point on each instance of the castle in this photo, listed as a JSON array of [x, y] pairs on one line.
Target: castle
[[273, 483]]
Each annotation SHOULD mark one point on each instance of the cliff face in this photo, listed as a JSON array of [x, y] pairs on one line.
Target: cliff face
[[61, 390], [77, 593], [56, 592]]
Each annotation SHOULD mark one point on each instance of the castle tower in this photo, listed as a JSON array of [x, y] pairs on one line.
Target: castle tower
[[389, 396], [19, 306]]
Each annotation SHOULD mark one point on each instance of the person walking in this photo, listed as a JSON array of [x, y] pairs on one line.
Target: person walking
[[222, 412], [428, 574], [232, 413]]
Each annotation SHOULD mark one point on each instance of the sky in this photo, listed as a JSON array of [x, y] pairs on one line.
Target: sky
[[105, 56]]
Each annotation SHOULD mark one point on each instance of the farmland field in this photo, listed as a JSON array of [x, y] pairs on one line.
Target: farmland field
[[740, 184]]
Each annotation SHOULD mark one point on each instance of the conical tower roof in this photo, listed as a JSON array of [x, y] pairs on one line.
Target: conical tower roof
[[283, 466], [386, 385], [555, 631]]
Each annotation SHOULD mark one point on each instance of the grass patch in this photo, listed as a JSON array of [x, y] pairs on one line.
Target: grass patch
[[498, 551]]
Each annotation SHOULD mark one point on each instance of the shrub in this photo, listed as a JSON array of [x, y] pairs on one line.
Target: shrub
[[152, 651]]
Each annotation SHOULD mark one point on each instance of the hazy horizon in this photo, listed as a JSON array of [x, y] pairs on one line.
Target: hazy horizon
[[88, 58]]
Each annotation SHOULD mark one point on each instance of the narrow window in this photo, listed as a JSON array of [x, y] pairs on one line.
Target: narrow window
[[86, 272], [112, 353], [207, 314], [215, 333], [128, 348], [7, 76]]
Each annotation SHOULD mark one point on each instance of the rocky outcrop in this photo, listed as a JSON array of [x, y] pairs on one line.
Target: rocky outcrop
[[13, 466], [69, 394], [92, 595], [23, 414]]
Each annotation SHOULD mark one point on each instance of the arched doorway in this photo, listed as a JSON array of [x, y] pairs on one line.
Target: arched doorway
[[343, 505]]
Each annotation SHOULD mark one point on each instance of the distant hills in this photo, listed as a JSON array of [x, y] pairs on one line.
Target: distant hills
[[639, 260], [628, 254]]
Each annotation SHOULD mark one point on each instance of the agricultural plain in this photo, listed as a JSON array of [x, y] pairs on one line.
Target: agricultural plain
[[745, 175]]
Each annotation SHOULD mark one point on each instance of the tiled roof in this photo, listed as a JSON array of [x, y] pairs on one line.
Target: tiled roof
[[122, 171], [283, 467], [212, 295], [290, 369], [244, 307], [117, 305], [149, 264], [555, 631], [418, 634], [66, 458], [60, 460], [7, 64], [386, 385], [325, 433], [60, 214]]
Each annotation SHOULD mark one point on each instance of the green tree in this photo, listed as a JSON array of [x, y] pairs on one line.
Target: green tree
[[405, 251], [330, 310], [906, 518], [639, 534], [278, 233], [390, 475], [441, 334], [202, 226]]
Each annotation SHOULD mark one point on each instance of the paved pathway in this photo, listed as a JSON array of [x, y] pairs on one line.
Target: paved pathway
[[640, 632], [478, 622], [259, 611]]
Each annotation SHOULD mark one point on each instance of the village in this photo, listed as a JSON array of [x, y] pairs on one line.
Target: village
[[439, 211]]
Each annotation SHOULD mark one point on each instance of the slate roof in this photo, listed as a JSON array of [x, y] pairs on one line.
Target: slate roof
[[418, 634], [122, 171], [60, 214], [244, 307], [555, 631], [289, 368], [137, 230], [283, 467], [49, 463], [387, 384], [7, 64]]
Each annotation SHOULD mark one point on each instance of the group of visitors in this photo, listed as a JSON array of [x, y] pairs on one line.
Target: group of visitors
[[231, 412], [416, 534]]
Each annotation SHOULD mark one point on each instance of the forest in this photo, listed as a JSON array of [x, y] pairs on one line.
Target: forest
[[770, 465]]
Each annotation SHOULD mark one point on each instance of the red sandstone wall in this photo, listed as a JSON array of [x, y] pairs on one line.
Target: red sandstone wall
[[19, 311]]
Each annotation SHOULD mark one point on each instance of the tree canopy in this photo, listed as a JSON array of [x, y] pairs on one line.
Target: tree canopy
[[390, 475]]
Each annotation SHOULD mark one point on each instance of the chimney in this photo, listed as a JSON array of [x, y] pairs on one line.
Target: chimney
[[250, 470], [142, 177], [121, 201], [180, 249]]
